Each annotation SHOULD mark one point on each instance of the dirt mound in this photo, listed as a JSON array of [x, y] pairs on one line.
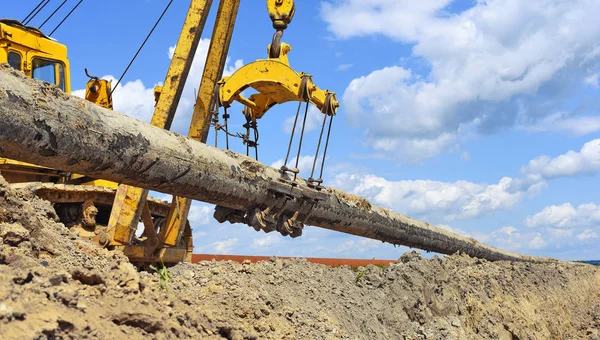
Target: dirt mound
[[55, 285]]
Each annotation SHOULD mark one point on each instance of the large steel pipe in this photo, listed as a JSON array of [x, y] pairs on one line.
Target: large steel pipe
[[40, 124]]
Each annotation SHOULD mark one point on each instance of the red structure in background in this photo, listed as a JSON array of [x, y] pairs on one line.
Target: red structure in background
[[332, 262]]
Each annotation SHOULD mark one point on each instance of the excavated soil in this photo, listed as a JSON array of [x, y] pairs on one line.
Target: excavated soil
[[54, 285]]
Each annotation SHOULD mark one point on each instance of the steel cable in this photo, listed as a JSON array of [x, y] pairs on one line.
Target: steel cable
[[66, 17], [36, 13], [33, 10], [140, 49], [312, 173], [51, 15]]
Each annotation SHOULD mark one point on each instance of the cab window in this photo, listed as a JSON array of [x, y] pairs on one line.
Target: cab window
[[14, 60], [50, 71]]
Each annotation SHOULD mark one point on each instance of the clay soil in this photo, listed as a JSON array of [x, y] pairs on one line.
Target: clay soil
[[54, 285]]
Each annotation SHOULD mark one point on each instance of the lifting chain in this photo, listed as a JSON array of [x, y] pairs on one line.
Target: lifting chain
[[250, 124]]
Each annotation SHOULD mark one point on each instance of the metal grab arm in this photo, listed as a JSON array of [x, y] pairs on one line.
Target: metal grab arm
[[276, 83]]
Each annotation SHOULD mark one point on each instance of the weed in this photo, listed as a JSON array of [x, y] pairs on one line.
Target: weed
[[163, 274], [360, 274]]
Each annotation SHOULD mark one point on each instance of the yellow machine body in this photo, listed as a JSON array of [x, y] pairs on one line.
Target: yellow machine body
[[29, 50], [99, 91], [84, 204], [108, 213]]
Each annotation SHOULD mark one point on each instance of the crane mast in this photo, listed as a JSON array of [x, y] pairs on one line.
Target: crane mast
[[129, 204]]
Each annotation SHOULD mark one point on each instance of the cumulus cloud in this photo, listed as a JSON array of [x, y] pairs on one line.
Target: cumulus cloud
[[507, 237], [565, 122], [188, 98], [537, 242], [515, 239], [584, 162], [225, 246], [495, 65], [562, 228], [304, 165], [134, 99], [434, 199], [131, 98], [512, 238], [267, 241], [566, 216], [352, 247], [592, 80], [587, 235], [314, 120], [453, 230], [200, 213]]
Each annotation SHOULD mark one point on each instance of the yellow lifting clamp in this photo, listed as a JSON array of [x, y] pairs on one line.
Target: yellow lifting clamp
[[276, 83]]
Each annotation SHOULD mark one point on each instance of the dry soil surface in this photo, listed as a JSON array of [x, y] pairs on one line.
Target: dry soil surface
[[54, 285]]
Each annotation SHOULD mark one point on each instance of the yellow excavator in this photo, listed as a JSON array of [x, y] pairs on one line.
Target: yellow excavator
[[108, 213]]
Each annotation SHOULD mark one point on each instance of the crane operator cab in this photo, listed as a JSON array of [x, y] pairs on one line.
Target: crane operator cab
[[82, 203], [27, 49]]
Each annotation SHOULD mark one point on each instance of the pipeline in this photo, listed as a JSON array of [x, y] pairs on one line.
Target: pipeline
[[40, 124]]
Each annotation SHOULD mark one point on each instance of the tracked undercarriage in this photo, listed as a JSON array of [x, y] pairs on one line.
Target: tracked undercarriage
[[85, 210]]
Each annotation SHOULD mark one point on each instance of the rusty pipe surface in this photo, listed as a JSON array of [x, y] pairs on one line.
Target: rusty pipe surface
[[42, 125]]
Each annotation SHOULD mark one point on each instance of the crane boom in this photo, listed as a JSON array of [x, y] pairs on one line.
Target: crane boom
[[130, 202]]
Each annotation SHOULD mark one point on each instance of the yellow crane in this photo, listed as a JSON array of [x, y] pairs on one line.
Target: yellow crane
[[108, 213]]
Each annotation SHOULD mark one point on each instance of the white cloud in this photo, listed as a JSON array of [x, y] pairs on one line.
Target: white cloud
[[434, 199], [267, 241], [507, 237], [352, 247], [586, 161], [224, 247], [134, 99], [511, 238], [314, 120], [566, 216], [200, 214], [587, 235], [343, 67], [188, 98], [498, 64], [304, 165], [466, 156], [400, 19], [131, 98], [565, 122], [453, 230], [592, 80], [537, 242]]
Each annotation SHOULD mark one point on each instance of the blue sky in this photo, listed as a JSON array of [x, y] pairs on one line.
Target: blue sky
[[478, 116]]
